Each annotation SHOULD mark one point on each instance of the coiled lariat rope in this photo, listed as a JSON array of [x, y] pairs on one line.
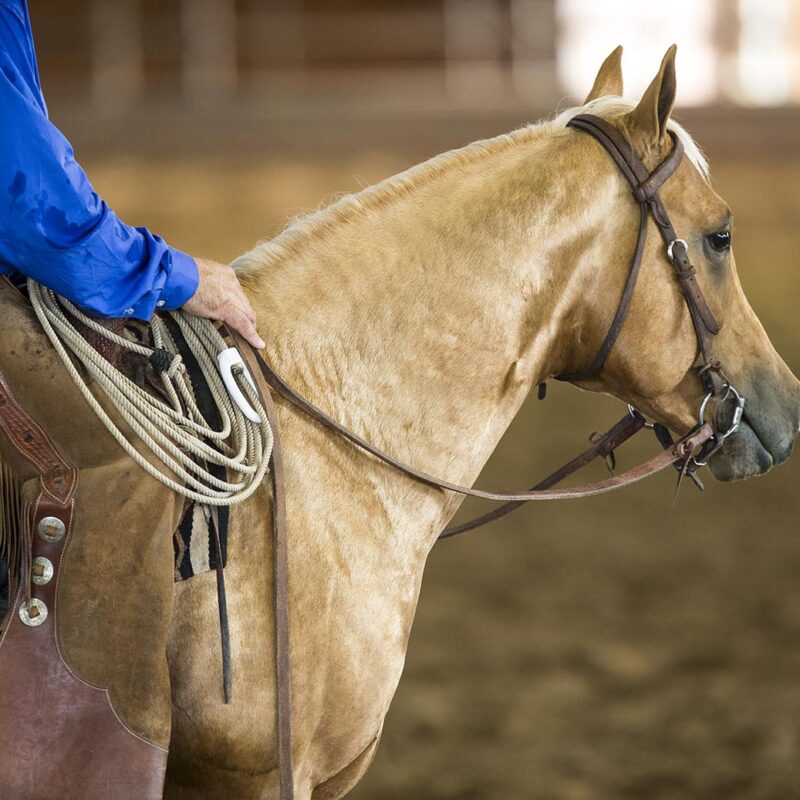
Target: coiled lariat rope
[[176, 434]]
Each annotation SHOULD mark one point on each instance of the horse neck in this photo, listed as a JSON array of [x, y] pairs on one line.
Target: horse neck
[[422, 324]]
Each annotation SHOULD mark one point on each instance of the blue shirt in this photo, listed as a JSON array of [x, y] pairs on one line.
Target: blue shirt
[[53, 225]]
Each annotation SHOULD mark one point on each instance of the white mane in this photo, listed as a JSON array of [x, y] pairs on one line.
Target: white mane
[[348, 206]]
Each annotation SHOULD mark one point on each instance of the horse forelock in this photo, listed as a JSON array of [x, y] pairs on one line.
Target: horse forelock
[[300, 229]]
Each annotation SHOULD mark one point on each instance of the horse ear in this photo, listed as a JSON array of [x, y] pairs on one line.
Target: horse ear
[[609, 78], [650, 117]]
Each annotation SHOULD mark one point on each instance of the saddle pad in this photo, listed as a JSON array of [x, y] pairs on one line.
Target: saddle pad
[[194, 541]]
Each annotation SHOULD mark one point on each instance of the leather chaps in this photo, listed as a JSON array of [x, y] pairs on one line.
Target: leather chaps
[[84, 687]]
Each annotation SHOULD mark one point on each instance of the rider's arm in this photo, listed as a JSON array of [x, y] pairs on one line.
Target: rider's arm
[[53, 226]]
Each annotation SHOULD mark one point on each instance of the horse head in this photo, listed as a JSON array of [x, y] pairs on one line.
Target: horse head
[[653, 363]]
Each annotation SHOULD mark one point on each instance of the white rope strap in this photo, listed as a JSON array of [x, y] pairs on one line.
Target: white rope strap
[[176, 435]]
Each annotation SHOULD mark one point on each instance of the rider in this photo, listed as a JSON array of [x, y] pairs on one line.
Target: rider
[[55, 229]]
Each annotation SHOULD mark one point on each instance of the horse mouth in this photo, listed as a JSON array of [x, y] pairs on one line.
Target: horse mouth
[[746, 454]]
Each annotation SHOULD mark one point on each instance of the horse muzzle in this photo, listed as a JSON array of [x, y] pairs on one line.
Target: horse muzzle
[[762, 440]]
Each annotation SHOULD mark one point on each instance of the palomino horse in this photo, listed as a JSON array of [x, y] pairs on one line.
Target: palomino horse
[[419, 312]]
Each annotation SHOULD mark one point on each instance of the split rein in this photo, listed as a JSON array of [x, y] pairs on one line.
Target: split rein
[[681, 452]]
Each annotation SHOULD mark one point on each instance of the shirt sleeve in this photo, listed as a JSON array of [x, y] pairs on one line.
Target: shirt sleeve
[[54, 227]]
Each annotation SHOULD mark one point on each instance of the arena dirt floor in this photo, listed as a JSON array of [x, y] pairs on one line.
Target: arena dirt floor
[[609, 648]]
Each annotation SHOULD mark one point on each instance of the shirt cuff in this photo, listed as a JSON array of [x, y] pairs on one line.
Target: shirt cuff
[[181, 283]]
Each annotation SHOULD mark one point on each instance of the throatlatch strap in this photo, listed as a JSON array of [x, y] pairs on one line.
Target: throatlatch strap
[[597, 362]]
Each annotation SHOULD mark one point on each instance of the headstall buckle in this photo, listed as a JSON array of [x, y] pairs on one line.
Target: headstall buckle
[[671, 248]]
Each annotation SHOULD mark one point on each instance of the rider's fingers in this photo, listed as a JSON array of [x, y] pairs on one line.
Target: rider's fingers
[[247, 309], [239, 321], [238, 297]]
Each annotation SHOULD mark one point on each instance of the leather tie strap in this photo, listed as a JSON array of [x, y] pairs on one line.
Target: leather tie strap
[[58, 480], [280, 537]]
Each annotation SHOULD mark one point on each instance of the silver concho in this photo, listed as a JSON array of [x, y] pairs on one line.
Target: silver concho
[[47, 571], [51, 529], [33, 620]]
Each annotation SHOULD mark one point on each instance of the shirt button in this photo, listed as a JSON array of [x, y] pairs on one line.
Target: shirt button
[[161, 303], [127, 312]]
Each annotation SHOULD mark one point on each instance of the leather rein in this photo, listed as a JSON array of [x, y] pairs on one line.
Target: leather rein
[[686, 454]]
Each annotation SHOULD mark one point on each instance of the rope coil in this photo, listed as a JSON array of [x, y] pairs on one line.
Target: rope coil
[[177, 436]]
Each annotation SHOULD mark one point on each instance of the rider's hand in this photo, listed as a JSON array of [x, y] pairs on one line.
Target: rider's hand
[[219, 296]]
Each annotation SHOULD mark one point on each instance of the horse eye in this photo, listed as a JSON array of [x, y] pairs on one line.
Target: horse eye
[[720, 241]]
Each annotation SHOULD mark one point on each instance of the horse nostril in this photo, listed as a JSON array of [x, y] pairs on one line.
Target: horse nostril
[[783, 451]]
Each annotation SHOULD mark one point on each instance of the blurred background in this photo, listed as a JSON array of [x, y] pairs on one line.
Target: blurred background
[[611, 648]]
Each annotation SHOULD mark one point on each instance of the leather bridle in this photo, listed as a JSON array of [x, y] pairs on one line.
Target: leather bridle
[[644, 188], [686, 454]]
